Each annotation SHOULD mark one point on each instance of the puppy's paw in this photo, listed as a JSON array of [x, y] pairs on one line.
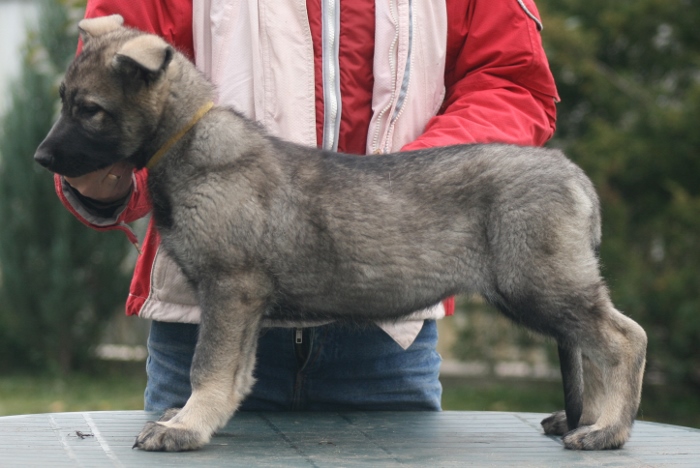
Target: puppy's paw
[[155, 436], [556, 424], [595, 438]]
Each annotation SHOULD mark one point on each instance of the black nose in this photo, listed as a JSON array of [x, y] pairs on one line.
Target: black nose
[[43, 157]]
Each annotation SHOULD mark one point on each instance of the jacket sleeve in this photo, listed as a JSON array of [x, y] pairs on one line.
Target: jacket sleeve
[[498, 84], [173, 21]]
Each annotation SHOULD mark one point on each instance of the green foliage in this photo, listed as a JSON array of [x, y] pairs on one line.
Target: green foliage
[[59, 281]]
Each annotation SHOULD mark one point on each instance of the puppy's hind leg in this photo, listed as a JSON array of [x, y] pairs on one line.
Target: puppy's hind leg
[[222, 368], [614, 351]]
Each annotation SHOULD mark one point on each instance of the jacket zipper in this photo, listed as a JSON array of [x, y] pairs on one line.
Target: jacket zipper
[[392, 67], [398, 99], [332, 102], [401, 98]]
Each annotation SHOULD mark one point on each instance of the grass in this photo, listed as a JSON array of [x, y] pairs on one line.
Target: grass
[[30, 394], [501, 395], [121, 388], [662, 404]]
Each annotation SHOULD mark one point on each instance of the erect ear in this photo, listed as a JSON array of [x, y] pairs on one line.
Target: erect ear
[[93, 27], [147, 56]]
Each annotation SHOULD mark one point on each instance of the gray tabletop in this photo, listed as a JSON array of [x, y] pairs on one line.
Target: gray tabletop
[[450, 438]]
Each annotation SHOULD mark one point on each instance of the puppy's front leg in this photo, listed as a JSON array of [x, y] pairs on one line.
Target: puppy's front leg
[[222, 368]]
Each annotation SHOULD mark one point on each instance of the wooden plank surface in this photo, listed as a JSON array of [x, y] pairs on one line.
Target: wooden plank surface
[[391, 439]]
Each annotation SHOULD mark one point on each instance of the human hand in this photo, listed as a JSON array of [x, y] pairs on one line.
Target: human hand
[[105, 185]]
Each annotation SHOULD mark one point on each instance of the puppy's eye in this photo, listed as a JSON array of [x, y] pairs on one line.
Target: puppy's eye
[[89, 110], [62, 92]]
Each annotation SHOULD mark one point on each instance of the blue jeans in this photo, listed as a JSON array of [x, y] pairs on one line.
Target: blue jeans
[[335, 368]]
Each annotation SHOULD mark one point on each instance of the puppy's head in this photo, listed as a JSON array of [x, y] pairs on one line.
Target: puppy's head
[[112, 98]]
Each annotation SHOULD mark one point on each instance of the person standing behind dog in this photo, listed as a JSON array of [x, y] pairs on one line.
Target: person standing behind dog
[[361, 77]]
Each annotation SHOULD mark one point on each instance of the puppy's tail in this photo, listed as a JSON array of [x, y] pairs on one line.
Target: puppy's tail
[[572, 377]]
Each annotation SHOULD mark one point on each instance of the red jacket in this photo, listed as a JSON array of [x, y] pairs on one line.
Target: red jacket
[[498, 87]]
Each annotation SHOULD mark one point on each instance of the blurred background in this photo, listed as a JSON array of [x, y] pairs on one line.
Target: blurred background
[[628, 74]]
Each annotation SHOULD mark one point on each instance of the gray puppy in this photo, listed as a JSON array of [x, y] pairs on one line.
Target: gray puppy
[[266, 228]]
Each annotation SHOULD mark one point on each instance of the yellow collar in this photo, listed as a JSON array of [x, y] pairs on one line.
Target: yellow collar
[[168, 144]]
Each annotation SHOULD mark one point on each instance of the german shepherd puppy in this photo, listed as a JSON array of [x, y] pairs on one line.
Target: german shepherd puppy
[[266, 228]]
